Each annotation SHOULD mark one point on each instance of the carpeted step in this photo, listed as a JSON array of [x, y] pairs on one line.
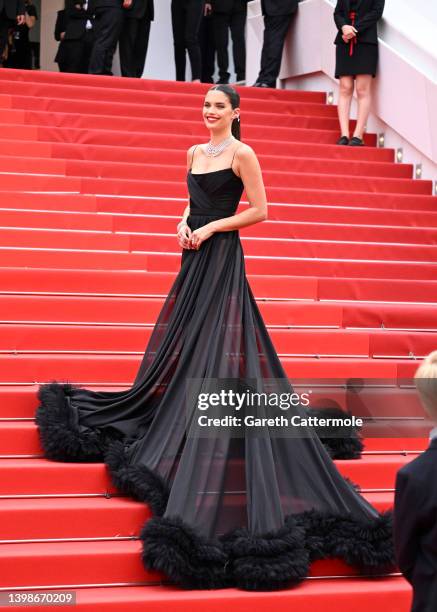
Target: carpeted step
[[73, 563], [70, 517], [311, 596], [130, 282], [151, 85], [122, 369], [116, 339], [177, 160], [39, 476], [253, 246], [255, 264], [180, 144], [144, 311], [132, 225]]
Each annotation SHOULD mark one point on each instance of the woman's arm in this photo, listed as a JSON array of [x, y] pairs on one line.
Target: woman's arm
[[250, 173], [60, 25], [30, 17], [186, 212], [369, 19], [340, 16], [183, 229]]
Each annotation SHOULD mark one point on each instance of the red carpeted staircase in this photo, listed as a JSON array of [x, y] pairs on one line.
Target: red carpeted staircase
[[92, 184]]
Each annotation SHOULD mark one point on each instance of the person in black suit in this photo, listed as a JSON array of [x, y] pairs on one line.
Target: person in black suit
[[108, 21], [230, 15], [186, 16], [75, 32], [415, 506], [134, 37], [277, 18], [11, 13], [356, 58]]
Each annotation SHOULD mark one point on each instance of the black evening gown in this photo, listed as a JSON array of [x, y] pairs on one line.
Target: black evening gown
[[251, 511]]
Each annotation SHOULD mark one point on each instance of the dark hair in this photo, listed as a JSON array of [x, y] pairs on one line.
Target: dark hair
[[234, 99]]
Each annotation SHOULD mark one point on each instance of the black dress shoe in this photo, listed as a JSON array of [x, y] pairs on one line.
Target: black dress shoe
[[222, 82], [260, 84], [356, 142], [344, 140]]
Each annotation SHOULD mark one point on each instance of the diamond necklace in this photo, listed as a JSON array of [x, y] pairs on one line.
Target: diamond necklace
[[214, 150]]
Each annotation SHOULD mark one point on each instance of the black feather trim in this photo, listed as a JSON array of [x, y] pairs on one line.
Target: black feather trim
[[138, 481], [345, 441], [367, 545], [174, 548], [60, 436], [270, 561]]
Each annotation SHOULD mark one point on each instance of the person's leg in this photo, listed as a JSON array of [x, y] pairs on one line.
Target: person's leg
[[75, 54], [141, 45], [344, 103], [207, 49], [87, 46], [363, 89], [238, 32], [126, 46], [194, 13], [275, 30], [221, 40], [107, 26], [178, 17]]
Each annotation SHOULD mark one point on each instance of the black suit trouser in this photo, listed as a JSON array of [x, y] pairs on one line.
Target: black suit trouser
[[275, 31], [207, 49], [133, 44], [235, 21], [107, 25], [186, 16]]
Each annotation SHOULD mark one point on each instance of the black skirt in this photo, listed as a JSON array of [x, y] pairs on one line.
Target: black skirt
[[363, 60]]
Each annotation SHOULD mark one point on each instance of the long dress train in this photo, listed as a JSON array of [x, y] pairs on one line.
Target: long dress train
[[251, 511]]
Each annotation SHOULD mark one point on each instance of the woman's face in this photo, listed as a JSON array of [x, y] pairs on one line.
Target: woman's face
[[218, 113]]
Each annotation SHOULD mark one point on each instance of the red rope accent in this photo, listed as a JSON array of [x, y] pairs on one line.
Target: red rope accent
[[353, 41]]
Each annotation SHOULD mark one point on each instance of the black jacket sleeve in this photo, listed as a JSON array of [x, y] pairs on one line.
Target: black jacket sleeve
[[406, 521], [60, 24], [340, 16], [371, 18]]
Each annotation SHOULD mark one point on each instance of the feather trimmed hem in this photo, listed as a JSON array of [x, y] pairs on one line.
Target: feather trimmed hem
[[346, 441], [137, 481], [271, 561], [60, 436]]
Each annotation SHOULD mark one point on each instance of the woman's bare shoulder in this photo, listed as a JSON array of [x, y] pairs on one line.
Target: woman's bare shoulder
[[191, 150], [245, 153]]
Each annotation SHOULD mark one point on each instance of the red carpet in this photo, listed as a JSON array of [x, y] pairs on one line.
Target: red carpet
[[91, 187]]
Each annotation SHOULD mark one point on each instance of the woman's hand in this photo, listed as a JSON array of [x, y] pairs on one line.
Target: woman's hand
[[200, 235], [348, 32], [184, 234]]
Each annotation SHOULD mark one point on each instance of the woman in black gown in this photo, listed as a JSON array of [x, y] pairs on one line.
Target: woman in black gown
[[241, 510], [356, 59]]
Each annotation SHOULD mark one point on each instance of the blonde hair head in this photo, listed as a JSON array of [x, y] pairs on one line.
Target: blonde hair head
[[426, 384]]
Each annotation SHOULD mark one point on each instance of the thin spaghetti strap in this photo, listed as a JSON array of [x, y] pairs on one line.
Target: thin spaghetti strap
[[192, 156], [236, 149]]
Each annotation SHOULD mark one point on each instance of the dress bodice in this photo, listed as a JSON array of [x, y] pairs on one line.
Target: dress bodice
[[215, 194]]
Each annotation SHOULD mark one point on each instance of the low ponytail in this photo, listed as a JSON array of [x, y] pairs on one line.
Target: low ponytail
[[235, 128], [234, 99]]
